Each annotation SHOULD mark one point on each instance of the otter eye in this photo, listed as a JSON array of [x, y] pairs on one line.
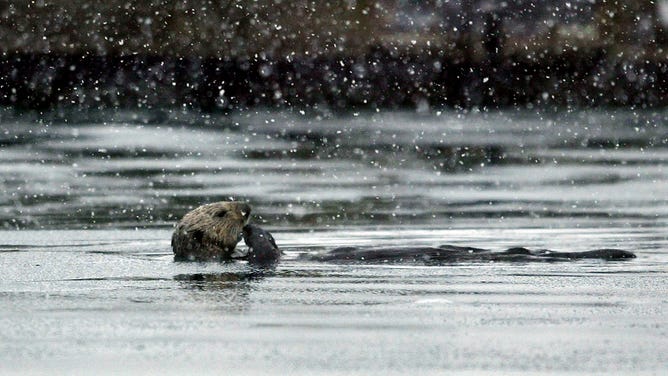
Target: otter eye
[[221, 213]]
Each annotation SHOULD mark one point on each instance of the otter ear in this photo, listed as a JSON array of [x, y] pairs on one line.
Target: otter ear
[[221, 213]]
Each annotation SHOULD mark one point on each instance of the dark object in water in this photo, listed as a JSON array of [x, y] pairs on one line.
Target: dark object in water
[[445, 254], [604, 254], [262, 248]]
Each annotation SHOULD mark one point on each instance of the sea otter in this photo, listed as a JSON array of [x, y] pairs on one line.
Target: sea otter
[[262, 248], [210, 232]]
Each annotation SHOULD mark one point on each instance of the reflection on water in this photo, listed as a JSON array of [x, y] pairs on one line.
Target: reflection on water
[[203, 281], [231, 290]]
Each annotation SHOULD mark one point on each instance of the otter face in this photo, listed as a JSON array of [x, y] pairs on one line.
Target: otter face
[[228, 220], [210, 231], [227, 212]]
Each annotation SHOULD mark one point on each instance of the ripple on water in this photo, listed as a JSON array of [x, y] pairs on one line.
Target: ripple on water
[[90, 278]]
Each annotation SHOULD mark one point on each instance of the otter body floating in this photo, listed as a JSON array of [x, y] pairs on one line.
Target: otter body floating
[[446, 254], [210, 232]]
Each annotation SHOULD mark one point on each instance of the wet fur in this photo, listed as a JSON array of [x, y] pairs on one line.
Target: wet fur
[[262, 248], [445, 254], [210, 232]]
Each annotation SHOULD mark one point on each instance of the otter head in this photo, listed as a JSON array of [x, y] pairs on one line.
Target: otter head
[[223, 221], [210, 231]]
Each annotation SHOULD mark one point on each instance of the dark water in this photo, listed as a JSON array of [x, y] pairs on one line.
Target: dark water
[[87, 201]]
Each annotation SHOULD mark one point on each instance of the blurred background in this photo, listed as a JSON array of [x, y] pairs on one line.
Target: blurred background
[[220, 54]]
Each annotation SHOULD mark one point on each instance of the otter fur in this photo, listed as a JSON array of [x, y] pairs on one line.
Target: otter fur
[[210, 232], [262, 248]]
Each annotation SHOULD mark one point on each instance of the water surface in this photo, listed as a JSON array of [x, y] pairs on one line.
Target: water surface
[[87, 202]]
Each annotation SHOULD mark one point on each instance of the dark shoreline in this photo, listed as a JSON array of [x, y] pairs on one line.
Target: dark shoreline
[[380, 79]]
